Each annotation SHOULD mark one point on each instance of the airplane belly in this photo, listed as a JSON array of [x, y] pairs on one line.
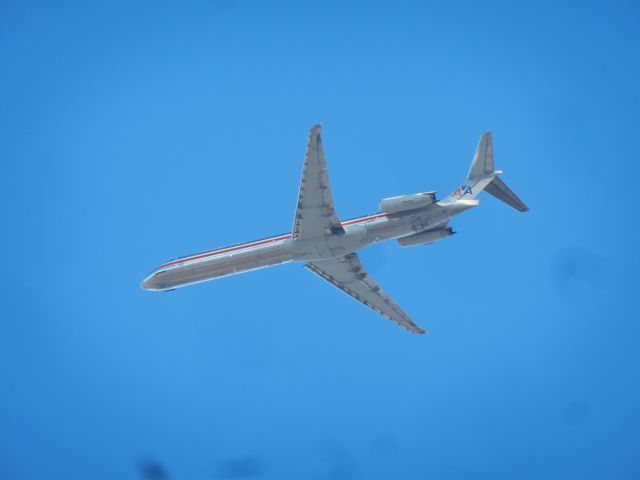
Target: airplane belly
[[407, 224], [218, 267], [331, 246], [388, 228]]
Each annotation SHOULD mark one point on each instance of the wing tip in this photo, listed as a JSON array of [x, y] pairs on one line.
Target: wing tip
[[413, 328]]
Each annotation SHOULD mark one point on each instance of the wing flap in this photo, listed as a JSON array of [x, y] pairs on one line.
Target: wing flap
[[348, 274]]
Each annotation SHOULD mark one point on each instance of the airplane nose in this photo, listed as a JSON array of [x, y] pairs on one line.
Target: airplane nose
[[147, 283]]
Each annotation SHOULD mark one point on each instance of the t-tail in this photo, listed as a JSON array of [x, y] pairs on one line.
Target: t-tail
[[484, 177]]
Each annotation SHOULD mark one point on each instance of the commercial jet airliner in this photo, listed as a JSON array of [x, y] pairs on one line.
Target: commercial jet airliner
[[329, 246]]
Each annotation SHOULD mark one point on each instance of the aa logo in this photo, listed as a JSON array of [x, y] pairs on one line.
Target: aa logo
[[462, 190]]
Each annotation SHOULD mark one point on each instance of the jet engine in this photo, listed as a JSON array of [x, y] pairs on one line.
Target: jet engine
[[425, 238], [407, 202]]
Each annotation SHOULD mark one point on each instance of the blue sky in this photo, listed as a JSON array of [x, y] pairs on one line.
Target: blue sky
[[135, 132]]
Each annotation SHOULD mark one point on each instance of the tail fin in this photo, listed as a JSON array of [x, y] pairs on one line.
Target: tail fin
[[482, 168], [482, 164]]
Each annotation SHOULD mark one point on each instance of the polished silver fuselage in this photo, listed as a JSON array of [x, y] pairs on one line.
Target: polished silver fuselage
[[328, 246], [358, 233]]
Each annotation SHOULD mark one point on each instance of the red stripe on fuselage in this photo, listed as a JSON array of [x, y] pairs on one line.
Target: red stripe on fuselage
[[226, 250], [364, 219], [261, 242]]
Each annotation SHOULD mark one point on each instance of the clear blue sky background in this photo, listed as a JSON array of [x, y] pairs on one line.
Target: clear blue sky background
[[133, 132]]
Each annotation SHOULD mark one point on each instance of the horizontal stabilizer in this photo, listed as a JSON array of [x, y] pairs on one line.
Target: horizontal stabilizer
[[499, 189]]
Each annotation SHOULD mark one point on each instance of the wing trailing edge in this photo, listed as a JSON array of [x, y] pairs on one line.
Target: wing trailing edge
[[315, 215], [348, 274]]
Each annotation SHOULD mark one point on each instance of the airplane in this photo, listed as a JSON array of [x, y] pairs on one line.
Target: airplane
[[329, 246]]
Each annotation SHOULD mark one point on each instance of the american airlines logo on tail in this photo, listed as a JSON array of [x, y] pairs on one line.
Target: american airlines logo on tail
[[462, 190]]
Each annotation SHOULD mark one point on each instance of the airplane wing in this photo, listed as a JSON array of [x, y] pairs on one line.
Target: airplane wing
[[348, 274], [315, 215]]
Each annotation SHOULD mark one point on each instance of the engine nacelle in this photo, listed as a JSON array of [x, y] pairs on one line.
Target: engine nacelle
[[425, 238], [407, 202]]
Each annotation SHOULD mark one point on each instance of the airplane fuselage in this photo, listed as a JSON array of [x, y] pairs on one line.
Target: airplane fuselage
[[358, 233]]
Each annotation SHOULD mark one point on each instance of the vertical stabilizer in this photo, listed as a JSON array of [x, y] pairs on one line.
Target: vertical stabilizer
[[482, 164]]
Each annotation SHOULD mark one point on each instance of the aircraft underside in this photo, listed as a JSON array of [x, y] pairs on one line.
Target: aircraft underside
[[329, 246]]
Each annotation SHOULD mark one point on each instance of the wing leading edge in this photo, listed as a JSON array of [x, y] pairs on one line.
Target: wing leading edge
[[315, 216], [348, 274]]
